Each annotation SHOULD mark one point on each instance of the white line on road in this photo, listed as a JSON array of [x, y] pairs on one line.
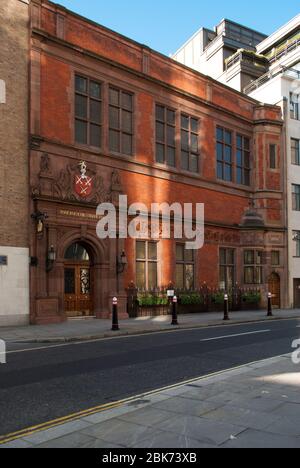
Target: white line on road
[[96, 340], [233, 336]]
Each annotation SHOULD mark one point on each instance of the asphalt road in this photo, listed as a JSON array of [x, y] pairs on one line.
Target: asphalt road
[[48, 382]]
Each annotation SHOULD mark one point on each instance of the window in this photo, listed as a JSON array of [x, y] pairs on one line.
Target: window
[[120, 122], [295, 149], [146, 265], [165, 136], [294, 106], [273, 156], [189, 143], [242, 160], [253, 267], [296, 197], [296, 239], [227, 269], [224, 154], [185, 267], [275, 258], [88, 111]]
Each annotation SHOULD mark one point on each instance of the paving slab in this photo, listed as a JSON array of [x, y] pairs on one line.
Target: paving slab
[[259, 439], [241, 416], [240, 410], [119, 432], [186, 406], [203, 430]]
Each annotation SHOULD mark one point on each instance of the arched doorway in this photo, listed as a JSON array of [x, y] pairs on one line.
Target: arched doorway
[[274, 288], [78, 281]]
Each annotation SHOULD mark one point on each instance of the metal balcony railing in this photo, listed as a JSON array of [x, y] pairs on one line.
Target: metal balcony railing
[[284, 50], [245, 57], [269, 76]]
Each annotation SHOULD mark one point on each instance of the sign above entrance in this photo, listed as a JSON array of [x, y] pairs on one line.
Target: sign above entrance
[[83, 183]]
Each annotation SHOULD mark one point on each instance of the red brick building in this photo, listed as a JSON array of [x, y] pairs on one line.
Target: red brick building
[[152, 129]]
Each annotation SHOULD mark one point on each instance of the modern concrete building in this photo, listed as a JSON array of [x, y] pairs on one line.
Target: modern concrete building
[[14, 183], [281, 85], [267, 69], [217, 54]]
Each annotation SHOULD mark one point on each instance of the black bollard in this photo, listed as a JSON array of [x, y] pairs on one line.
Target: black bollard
[[174, 312], [115, 318], [226, 307], [270, 311]]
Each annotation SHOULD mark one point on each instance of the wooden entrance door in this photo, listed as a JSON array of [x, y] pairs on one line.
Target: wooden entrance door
[[78, 298], [274, 288]]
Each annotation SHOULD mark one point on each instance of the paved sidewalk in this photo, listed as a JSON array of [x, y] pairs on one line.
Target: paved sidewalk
[[257, 406], [93, 329]]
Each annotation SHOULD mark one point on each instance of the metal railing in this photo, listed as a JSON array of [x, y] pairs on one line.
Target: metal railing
[[269, 76], [281, 52], [155, 302], [245, 57]]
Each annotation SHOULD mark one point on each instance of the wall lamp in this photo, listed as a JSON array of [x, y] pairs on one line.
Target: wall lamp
[[39, 218], [51, 257], [121, 263]]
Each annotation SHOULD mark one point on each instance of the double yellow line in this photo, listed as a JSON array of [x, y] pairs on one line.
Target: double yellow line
[[109, 406], [57, 422]]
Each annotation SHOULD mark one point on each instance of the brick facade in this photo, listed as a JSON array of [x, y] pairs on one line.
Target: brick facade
[[14, 179], [64, 45], [14, 37]]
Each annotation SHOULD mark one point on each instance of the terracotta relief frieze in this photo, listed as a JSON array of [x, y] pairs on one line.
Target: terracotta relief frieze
[[76, 182], [219, 237]]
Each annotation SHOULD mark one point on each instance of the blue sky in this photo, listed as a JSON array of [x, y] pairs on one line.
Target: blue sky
[[165, 25]]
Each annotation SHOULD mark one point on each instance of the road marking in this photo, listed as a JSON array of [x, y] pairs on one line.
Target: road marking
[[159, 332], [233, 336], [98, 409], [44, 347]]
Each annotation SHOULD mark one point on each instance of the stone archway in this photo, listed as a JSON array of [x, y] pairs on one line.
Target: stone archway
[[97, 261], [274, 286]]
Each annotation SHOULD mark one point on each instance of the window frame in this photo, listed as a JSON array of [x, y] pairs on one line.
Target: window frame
[[227, 265], [295, 151], [296, 197], [243, 167], [297, 243], [255, 266], [273, 156], [185, 263], [294, 106], [222, 161], [146, 261], [88, 120], [164, 142], [189, 148], [120, 130]]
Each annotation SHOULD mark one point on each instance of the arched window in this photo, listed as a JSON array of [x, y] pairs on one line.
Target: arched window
[[77, 252]]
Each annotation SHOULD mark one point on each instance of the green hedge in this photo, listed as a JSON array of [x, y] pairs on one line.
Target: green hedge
[[252, 298], [191, 299], [152, 301], [218, 298]]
